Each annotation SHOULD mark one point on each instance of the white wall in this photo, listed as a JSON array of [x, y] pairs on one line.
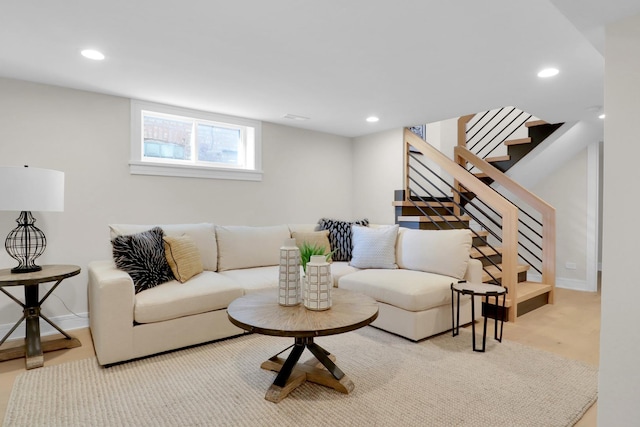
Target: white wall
[[307, 175], [566, 190], [377, 172], [619, 338]]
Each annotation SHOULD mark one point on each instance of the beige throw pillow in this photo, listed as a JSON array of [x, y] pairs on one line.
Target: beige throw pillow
[[183, 257], [317, 238]]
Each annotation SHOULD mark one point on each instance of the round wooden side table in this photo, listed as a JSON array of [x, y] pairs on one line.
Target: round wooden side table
[[34, 347]]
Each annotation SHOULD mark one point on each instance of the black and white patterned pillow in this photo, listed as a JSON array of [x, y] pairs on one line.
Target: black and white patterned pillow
[[142, 256], [340, 236]]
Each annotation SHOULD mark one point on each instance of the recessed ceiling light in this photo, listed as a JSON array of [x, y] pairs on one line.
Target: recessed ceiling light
[[372, 119], [602, 116], [93, 54], [548, 72]]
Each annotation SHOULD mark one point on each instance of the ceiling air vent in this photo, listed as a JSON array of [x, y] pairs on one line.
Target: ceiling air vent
[[294, 117]]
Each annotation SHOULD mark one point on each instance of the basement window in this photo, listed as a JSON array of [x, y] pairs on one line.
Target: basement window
[[174, 141]]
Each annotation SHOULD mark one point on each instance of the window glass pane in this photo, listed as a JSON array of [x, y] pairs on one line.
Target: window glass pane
[[219, 144], [167, 138]]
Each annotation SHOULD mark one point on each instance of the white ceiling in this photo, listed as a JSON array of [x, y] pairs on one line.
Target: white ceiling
[[334, 61]]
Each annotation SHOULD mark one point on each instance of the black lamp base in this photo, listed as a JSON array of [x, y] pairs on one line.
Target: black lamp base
[[18, 269], [25, 243]]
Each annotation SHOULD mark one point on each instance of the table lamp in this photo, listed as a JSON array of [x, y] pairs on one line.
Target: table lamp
[[26, 189]]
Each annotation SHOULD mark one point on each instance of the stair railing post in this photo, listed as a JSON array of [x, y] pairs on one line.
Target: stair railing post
[[462, 142], [407, 169], [510, 259], [549, 251]]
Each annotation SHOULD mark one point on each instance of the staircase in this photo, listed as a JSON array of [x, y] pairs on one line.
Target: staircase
[[509, 239]]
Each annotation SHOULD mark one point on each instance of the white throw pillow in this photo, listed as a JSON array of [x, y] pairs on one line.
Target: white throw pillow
[[374, 247], [242, 246], [434, 251], [203, 235]]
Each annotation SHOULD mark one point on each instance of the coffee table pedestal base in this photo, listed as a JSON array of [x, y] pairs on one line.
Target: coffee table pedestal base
[[320, 369]]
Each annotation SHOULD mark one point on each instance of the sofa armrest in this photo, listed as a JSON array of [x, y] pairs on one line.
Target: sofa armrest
[[474, 271], [111, 304]]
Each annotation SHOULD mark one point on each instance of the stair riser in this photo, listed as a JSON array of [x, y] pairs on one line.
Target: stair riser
[[497, 259], [493, 311], [533, 303], [433, 226], [414, 211], [522, 277], [538, 133], [479, 241]]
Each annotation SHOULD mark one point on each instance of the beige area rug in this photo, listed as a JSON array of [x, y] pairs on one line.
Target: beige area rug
[[438, 382]]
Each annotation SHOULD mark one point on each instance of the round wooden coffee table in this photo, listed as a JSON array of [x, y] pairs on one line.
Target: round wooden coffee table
[[260, 312]]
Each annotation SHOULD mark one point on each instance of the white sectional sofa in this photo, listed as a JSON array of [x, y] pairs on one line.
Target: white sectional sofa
[[414, 299]]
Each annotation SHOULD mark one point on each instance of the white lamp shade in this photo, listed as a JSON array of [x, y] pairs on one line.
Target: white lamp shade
[[31, 189]]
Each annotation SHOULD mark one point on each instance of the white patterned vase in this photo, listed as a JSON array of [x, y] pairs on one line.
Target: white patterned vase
[[289, 289], [317, 284]]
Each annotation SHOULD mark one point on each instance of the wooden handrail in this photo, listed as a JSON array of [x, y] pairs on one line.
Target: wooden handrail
[[505, 208], [548, 212]]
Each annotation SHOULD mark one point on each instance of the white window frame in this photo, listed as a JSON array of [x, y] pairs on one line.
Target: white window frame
[[138, 165]]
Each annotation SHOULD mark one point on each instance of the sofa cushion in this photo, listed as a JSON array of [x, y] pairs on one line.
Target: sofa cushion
[[339, 269], [253, 279], [241, 246], [205, 292], [406, 289], [340, 236], [302, 228], [435, 251], [142, 256], [374, 247], [203, 235], [183, 257]]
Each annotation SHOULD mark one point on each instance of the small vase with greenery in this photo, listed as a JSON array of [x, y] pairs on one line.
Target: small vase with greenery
[[309, 249]]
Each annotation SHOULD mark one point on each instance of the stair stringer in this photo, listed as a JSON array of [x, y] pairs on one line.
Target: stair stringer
[[568, 140]]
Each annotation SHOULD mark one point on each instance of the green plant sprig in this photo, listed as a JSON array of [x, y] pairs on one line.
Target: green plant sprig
[[308, 249]]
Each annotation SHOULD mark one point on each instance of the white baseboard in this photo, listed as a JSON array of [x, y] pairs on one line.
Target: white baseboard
[[67, 323]]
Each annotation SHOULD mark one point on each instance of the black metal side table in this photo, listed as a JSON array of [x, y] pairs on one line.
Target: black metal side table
[[482, 290], [34, 347]]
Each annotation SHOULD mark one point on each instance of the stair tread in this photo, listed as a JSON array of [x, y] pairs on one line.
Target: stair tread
[[486, 251], [434, 218], [497, 159], [480, 175], [535, 123], [421, 204], [517, 141], [528, 290]]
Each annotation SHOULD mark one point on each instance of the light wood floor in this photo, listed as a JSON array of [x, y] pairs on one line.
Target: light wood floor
[[570, 327]]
